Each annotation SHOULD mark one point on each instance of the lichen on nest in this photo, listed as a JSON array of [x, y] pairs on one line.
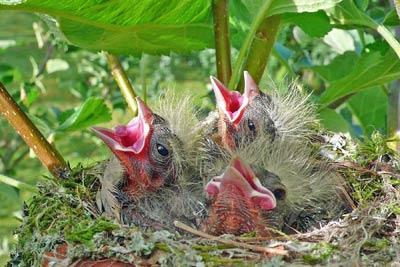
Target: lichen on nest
[[64, 212]]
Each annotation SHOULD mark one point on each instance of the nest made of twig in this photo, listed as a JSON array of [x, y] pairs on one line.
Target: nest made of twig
[[64, 214]]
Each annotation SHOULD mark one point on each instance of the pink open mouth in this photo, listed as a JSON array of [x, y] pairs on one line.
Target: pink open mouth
[[241, 176], [233, 103], [131, 137]]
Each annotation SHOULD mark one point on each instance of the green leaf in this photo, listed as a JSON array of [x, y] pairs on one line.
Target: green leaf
[[362, 4], [348, 14], [397, 5], [339, 67], [307, 21], [242, 12], [9, 198], [130, 27], [370, 108], [92, 111], [333, 121], [31, 94], [11, 2], [300, 6], [391, 19], [378, 64]]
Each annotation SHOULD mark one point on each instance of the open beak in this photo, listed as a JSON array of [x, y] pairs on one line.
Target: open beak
[[129, 138], [240, 176], [250, 87], [233, 103]]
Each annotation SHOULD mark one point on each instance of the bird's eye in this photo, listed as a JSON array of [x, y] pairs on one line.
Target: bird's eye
[[279, 194], [251, 125], [162, 150]]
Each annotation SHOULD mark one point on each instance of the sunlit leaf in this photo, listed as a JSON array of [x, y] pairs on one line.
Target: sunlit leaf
[[340, 41], [378, 64], [130, 27], [243, 12], [11, 2], [397, 5], [289, 6], [348, 14], [56, 64], [91, 112]]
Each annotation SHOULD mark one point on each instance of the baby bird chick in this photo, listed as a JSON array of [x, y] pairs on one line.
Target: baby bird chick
[[244, 116], [303, 190], [241, 116], [141, 184], [243, 203]]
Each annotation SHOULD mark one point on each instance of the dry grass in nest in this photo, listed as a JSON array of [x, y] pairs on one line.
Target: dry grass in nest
[[368, 236]]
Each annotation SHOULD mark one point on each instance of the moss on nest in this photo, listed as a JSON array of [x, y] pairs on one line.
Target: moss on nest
[[65, 212]]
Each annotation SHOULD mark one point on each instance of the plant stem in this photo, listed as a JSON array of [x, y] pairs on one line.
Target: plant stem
[[260, 49], [388, 36], [222, 44], [393, 119], [18, 184], [122, 80], [46, 153], [247, 42], [143, 76]]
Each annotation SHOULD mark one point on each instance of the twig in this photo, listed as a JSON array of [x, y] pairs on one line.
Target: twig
[[46, 153], [221, 36], [272, 251], [122, 80], [260, 49], [46, 58]]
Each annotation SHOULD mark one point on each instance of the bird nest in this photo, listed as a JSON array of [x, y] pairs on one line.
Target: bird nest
[[62, 226]]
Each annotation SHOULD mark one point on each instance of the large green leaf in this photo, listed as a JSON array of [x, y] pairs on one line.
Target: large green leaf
[[334, 121], [307, 21], [349, 15], [378, 64], [130, 27], [288, 6], [370, 108], [243, 12], [92, 111], [339, 67]]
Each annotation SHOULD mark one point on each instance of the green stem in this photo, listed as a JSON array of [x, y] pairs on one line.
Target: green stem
[[247, 42], [222, 44], [17, 184], [122, 80], [143, 76], [361, 35], [260, 49], [46, 153], [388, 36], [393, 119]]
